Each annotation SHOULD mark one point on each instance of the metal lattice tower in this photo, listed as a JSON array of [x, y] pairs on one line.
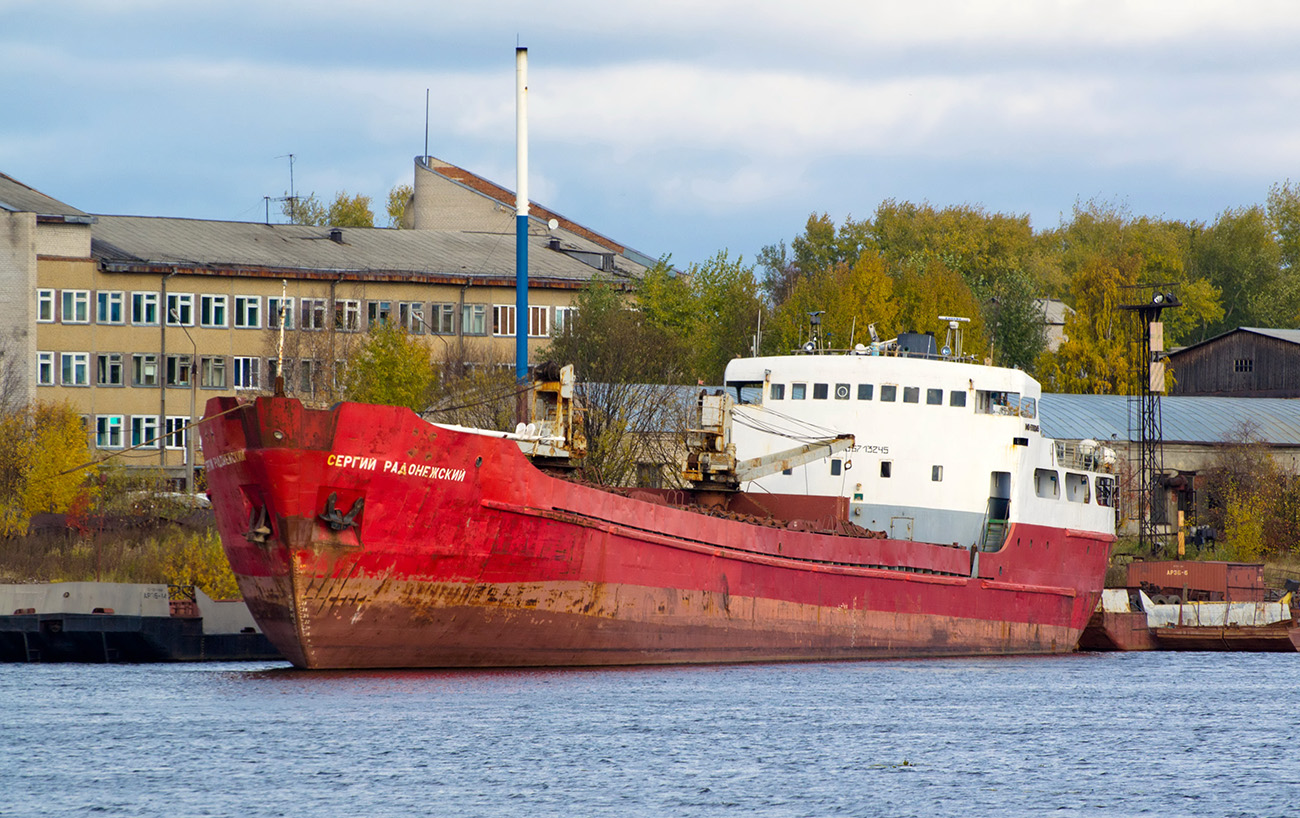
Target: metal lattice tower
[[1148, 385]]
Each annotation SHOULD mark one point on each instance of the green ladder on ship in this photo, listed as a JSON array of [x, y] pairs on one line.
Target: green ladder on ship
[[995, 533]]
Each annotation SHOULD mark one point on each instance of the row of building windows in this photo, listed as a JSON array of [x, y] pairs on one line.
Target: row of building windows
[[122, 431], [866, 391], [143, 369], [114, 307]]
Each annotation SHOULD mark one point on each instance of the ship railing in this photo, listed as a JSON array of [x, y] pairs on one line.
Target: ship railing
[[1088, 455]]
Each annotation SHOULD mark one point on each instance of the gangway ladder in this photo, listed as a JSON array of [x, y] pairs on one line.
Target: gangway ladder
[[994, 531]]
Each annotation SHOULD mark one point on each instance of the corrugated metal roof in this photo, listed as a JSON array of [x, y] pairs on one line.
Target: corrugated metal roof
[[19, 198], [215, 244], [1183, 419], [1289, 335]]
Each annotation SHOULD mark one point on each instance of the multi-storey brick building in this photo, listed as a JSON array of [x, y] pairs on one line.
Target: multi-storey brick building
[[137, 321]]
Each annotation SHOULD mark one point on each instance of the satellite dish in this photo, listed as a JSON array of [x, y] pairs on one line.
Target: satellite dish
[[809, 347], [553, 224]]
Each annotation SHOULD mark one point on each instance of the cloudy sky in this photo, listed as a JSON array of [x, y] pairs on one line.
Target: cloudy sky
[[698, 126]]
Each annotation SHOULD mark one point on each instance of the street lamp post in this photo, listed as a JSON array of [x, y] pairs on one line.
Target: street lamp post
[[189, 440]]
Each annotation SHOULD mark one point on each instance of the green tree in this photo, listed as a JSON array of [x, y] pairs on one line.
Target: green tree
[[1284, 216], [390, 367], [625, 362], [728, 308], [1019, 332], [1240, 255]]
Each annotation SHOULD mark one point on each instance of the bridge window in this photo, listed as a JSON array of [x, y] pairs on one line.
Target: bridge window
[[864, 391], [746, 391], [934, 397], [1106, 494], [1076, 487], [820, 390], [798, 391], [777, 391], [888, 393], [956, 398], [911, 394], [1046, 484], [842, 391]]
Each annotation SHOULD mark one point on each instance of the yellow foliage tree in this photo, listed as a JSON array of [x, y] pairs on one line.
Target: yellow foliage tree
[[41, 446], [200, 561], [850, 296]]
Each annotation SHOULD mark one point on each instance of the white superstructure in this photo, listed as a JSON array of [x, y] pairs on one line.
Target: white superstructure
[[946, 452]]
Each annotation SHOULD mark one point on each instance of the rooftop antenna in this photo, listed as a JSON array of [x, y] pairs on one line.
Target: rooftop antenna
[[952, 343], [291, 198], [815, 334]]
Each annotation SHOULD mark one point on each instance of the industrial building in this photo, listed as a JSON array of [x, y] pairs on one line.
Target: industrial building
[[136, 321]]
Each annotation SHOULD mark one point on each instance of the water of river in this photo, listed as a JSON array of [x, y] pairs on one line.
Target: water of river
[[1089, 734]]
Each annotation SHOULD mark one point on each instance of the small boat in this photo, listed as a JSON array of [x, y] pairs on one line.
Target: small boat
[[1194, 605], [892, 500]]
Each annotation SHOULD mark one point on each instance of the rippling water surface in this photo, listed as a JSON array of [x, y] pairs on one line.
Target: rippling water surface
[[1090, 734]]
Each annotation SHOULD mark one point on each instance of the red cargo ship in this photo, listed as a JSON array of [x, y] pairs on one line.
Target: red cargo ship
[[365, 536]]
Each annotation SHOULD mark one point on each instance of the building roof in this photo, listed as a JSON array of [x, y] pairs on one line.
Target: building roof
[[1291, 336], [1184, 419], [506, 197], [19, 198], [1054, 310], [131, 243]]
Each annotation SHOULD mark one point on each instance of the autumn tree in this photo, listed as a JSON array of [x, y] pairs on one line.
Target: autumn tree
[[41, 447], [345, 211], [303, 209], [390, 367], [398, 198], [1113, 260], [850, 298], [1252, 505]]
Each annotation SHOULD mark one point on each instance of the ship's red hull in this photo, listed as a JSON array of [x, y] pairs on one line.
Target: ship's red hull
[[462, 554]]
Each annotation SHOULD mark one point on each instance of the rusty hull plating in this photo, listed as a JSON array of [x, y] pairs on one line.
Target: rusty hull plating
[[363, 536]]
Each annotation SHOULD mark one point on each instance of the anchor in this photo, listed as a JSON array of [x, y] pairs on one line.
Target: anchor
[[337, 520], [258, 531]]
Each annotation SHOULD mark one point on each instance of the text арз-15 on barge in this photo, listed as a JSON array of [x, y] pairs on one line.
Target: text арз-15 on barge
[[919, 512]]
